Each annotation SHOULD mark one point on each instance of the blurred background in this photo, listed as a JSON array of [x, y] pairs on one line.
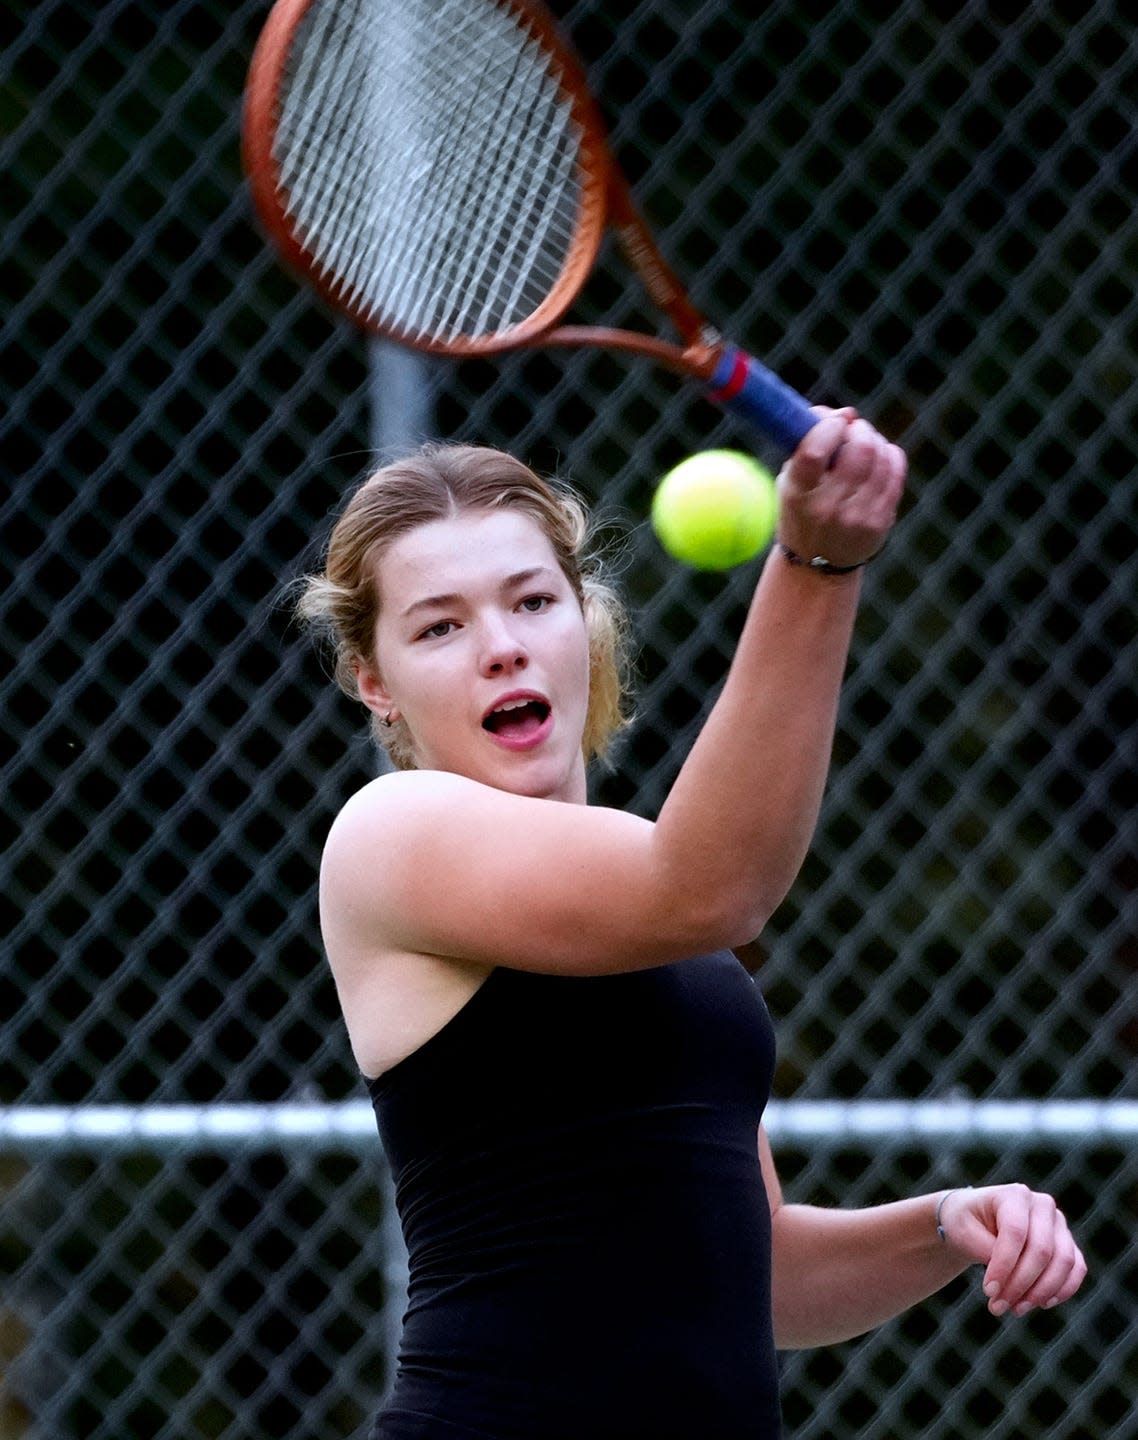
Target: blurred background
[[925, 209]]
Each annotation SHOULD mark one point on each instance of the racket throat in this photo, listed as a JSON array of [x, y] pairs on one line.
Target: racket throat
[[660, 279]]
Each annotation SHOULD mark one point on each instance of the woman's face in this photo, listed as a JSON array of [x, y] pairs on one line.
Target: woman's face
[[482, 649]]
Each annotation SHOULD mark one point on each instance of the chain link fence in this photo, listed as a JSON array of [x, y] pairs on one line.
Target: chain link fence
[[927, 209]]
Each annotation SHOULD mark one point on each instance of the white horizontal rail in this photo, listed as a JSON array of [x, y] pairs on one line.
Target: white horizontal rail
[[351, 1124]]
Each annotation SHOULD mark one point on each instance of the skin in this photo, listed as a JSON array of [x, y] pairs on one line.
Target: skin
[[473, 609], [838, 1273], [433, 877]]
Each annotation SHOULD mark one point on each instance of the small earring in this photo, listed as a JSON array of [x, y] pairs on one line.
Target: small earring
[[386, 719]]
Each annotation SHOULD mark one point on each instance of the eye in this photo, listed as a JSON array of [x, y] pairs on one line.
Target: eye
[[534, 604], [436, 631]]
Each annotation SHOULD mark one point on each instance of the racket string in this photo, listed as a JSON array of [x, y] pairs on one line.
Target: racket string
[[504, 197], [527, 185], [436, 186], [322, 157], [474, 175]]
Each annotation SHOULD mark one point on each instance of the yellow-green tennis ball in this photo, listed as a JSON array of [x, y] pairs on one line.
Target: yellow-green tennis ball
[[715, 509]]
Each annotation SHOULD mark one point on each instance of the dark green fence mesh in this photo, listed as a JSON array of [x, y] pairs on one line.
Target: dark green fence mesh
[[927, 209]]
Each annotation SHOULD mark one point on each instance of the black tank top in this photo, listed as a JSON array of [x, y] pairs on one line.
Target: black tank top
[[577, 1176]]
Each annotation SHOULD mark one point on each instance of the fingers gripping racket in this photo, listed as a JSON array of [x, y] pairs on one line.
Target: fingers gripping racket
[[439, 171]]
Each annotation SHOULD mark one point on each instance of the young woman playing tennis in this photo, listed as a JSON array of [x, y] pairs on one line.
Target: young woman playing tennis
[[568, 1064]]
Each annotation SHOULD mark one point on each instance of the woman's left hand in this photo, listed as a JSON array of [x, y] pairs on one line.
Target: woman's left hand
[[1022, 1237]]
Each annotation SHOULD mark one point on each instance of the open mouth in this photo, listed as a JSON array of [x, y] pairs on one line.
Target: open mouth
[[517, 719]]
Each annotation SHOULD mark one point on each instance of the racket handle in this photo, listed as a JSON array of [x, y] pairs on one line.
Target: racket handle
[[743, 386]]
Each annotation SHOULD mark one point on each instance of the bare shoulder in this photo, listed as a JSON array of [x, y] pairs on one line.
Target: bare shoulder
[[373, 841], [394, 813], [393, 998], [394, 799], [431, 863], [386, 840]]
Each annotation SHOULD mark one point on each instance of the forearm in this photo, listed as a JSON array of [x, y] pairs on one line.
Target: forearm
[[742, 812], [739, 820], [839, 1273]]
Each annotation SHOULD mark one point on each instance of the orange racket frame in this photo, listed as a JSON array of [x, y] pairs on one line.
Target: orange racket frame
[[734, 378]]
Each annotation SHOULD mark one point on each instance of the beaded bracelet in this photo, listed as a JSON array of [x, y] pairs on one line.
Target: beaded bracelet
[[819, 562], [940, 1206]]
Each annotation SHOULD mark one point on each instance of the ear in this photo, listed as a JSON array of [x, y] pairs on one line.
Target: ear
[[369, 683]]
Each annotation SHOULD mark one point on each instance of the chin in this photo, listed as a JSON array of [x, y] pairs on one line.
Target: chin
[[543, 779]]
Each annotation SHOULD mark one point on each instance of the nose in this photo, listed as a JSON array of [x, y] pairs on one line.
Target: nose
[[502, 651]]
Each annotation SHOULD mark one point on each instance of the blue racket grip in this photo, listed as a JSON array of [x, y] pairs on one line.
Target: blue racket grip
[[743, 386]]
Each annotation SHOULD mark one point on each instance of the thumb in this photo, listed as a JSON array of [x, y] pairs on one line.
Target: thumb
[[810, 461]]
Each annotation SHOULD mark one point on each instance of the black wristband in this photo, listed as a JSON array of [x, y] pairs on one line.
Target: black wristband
[[819, 562]]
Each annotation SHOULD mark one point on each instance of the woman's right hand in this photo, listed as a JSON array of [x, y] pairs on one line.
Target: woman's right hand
[[840, 490]]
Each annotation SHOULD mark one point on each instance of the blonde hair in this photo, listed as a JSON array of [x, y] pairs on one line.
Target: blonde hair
[[434, 483]]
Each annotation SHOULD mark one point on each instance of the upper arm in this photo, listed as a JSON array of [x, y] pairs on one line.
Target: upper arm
[[434, 863]]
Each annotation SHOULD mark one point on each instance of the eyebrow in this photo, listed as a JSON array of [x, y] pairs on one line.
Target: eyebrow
[[452, 597]]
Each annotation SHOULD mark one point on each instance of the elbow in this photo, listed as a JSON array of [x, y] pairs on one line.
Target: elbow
[[717, 904], [750, 923], [705, 921], [739, 917]]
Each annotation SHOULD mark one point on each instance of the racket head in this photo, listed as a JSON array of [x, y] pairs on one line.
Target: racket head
[[436, 168]]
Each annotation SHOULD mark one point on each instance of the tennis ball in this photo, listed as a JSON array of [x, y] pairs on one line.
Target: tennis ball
[[715, 509]]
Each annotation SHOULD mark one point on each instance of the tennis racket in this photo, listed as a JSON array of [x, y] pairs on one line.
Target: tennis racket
[[439, 171]]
